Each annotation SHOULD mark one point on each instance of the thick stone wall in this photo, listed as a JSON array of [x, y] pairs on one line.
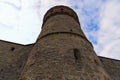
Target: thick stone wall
[[62, 52], [112, 67], [63, 57], [12, 59]]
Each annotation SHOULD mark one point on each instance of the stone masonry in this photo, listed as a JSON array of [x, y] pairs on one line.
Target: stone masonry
[[61, 52]]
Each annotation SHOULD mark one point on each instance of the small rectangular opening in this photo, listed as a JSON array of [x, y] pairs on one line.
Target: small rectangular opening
[[76, 52], [12, 49]]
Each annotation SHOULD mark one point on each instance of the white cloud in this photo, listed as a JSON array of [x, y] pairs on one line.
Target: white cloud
[[109, 33], [112, 50], [88, 12], [21, 20], [5, 17], [18, 21], [105, 15]]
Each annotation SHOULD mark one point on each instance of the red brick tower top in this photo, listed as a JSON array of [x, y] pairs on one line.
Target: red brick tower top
[[60, 10]]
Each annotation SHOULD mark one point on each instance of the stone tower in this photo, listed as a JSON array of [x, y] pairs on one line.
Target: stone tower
[[62, 52]]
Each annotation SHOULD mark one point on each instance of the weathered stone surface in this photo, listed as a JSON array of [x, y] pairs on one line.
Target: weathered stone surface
[[55, 60], [12, 59], [62, 52], [112, 67]]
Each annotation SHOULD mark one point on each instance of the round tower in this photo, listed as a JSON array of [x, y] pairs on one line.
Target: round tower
[[62, 51]]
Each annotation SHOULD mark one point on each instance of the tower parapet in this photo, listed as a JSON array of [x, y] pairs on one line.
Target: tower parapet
[[60, 10]]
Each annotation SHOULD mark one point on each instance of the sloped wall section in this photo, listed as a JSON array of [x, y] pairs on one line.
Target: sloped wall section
[[112, 67], [12, 59]]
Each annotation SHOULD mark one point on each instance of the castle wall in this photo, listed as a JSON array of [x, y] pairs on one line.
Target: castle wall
[[12, 59], [112, 67], [62, 52]]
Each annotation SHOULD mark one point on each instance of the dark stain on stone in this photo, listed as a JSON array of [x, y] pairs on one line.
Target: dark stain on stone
[[38, 78], [71, 30]]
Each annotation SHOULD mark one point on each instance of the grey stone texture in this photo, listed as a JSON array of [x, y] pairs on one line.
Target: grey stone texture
[[12, 59], [62, 52], [112, 67]]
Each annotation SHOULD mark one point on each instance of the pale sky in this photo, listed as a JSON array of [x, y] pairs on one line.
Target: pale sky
[[21, 20]]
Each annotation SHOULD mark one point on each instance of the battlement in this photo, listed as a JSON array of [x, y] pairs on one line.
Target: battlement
[[60, 10]]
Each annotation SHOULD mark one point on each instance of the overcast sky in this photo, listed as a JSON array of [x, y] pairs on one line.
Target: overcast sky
[[21, 20]]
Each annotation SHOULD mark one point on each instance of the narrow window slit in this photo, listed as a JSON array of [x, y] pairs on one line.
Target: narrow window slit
[[71, 30], [61, 9], [20, 66], [12, 49], [76, 53], [1, 70], [96, 62]]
